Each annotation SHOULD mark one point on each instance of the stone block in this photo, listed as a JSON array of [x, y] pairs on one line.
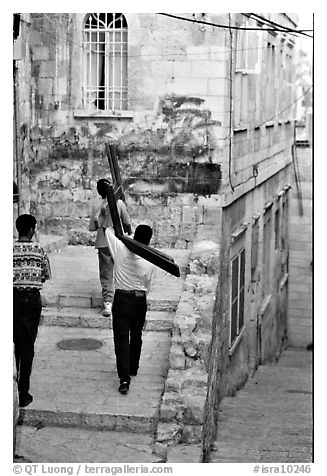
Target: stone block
[[205, 305], [189, 214], [40, 53], [191, 434], [168, 432], [215, 103], [197, 53], [167, 412], [217, 53], [193, 413], [45, 86], [160, 450], [181, 69], [173, 383], [159, 69], [177, 363], [209, 69], [190, 350], [216, 87], [184, 453], [189, 86], [200, 285], [47, 69]]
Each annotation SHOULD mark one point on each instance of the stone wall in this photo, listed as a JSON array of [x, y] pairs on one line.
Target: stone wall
[[182, 409], [301, 264], [204, 367], [168, 140]]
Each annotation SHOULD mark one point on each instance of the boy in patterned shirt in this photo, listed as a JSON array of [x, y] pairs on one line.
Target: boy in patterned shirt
[[31, 268]]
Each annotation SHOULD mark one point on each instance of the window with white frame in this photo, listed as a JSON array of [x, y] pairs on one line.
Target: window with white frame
[[267, 231], [105, 61], [237, 295], [284, 234], [277, 228], [255, 248], [247, 61], [248, 51]]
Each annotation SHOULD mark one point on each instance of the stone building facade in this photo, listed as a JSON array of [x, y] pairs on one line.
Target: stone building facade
[[300, 310], [201, 112]]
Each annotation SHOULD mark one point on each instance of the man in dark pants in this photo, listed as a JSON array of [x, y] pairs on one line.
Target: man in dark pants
[[31, 269], [132, 277], [99, 220]]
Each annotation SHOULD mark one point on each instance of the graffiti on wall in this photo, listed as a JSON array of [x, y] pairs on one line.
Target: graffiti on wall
[[175, 154]]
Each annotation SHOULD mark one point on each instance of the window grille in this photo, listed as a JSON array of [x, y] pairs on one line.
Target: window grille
[[237, 298], [254, 248], [105, 61], [266, 250], [284, 237], [277, 229]]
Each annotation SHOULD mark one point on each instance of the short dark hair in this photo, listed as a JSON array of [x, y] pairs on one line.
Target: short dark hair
[[101, 186], [24, 223], [143, 234]]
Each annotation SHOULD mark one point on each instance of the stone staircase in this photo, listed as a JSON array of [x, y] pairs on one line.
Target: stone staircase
[[75, 391]]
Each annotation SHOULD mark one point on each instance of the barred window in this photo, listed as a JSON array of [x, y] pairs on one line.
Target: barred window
[[267, 231], [277, 230], [254, 249], [105, 61], [237, 298]]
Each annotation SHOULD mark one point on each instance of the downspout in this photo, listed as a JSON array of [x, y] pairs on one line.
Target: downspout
[[230, 106], [17, 138], [297, 172]]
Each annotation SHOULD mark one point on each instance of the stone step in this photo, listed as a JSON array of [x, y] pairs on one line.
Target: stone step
[[93, 318], [75, 445], [70, 445], [75, 280], [89, 301], [79, 388]]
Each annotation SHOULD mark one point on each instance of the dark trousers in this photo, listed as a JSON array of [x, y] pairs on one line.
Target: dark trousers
[[27, 308], [128, 317]]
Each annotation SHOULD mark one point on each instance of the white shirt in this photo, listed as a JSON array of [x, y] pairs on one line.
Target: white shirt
[[131, 272]]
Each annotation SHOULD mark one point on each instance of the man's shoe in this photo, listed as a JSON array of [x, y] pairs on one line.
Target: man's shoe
[[25, 400], [106, 309], [123, 388]]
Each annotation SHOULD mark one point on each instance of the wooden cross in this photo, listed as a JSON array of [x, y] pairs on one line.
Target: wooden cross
[[115, 192]]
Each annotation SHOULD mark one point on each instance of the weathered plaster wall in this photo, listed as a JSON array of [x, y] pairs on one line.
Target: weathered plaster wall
[[168, 145]]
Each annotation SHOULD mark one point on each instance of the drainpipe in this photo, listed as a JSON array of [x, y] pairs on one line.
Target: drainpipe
[[230, 105], [17, 139]]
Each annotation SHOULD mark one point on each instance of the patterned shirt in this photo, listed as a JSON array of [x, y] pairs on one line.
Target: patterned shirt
[[31, 266]]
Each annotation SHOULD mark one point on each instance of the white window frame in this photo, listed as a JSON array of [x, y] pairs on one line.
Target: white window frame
[[105, 43], [244, 50], [233, 340], [266, 248]]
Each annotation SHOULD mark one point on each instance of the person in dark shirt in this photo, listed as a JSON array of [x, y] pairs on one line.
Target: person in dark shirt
[[31, 268], [100, 219]]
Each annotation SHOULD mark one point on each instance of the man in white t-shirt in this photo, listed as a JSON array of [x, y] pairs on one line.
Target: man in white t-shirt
[[132, 278]]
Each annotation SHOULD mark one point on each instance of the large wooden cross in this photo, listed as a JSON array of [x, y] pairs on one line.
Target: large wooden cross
[[115, 192]]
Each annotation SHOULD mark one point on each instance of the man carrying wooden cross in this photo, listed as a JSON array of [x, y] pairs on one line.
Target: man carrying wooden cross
[[134, 261], [132, 278]]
